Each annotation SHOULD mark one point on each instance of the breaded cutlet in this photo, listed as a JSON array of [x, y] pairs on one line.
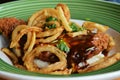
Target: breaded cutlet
[[7, 25]]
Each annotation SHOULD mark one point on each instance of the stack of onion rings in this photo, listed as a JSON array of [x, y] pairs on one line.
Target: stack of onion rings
[[42, 36]]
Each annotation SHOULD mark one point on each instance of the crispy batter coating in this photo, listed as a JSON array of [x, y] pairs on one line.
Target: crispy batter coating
[[34, 45], [86, 47], [105, 62], [65, 10], [7, 25]]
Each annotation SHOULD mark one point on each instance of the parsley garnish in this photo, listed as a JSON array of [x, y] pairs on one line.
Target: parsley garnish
[[51, 19], [76, 28], [51, 26], [63, 46]]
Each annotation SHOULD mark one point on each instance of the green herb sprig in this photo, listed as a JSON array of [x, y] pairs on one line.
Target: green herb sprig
[[51, 19], [76, 28], [63, 46]]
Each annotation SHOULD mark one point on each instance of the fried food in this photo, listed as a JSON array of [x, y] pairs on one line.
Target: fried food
[[60, 65], [95, 43], [39, 18], [7, 25], [60, 14], [74, 34], [65, 10], [15, 32], [52, 44], [95, 26], [49, 32], [28, 41], [63, 19], [51, 36], [31, 42], [22, 32], [18, 33], [12, 56], [105, 62], [62, 72]]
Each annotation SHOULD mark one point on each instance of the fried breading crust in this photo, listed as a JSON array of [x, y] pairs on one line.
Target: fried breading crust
[[7, 25]]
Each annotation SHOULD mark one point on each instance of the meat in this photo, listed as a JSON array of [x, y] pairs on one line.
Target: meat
[[86, 47], [48, 57], [7, 25]]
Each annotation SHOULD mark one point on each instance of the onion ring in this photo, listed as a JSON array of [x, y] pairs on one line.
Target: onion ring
[[31, 45], [65, 10], [62, 72], [28, 40], [52, 36], [49, 32], [15, 32], [22, 32], [12, 56], [29, 63], [91, 26], [17, 50], [39, 18], [63, 19], [32, 42], [74, 34]]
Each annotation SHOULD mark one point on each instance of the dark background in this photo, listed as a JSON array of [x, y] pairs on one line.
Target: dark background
[[3, 1]]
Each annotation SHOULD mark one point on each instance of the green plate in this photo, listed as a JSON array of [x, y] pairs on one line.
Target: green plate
[[94, 10]]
